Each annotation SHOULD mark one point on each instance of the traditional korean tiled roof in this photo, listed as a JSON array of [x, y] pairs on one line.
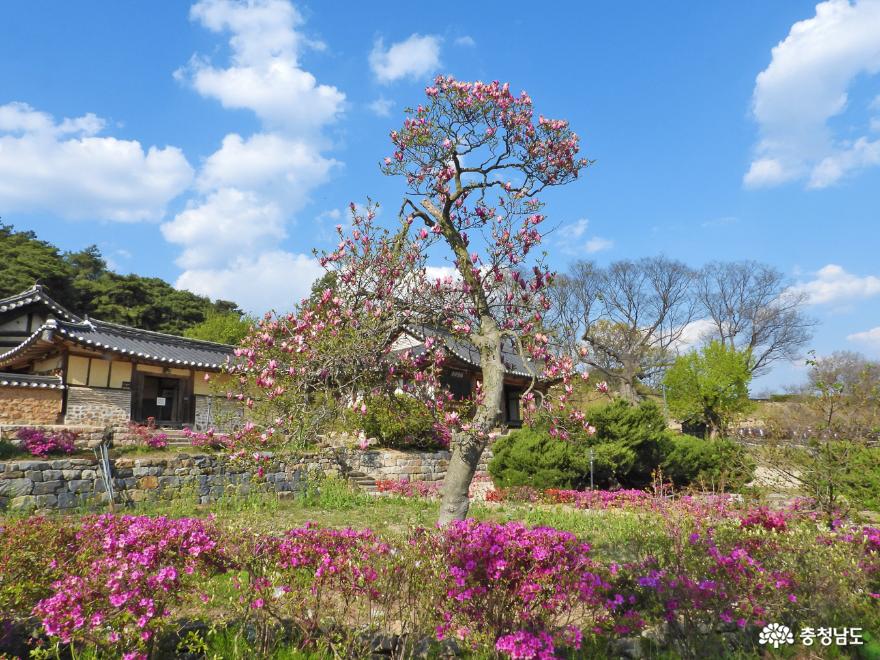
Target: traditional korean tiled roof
[[106, 337], [144, 344], [36, 294], [467, 352], [30, 381]]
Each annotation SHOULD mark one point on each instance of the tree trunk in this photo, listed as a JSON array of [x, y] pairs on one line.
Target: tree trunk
[[467, 447], [629, 382]]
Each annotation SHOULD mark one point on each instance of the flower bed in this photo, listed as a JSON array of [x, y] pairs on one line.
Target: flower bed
[[120, 583]]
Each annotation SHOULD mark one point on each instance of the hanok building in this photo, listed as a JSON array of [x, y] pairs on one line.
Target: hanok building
[[59, 368], [462, 371]]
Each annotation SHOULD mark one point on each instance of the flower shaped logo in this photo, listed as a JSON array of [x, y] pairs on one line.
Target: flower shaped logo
[[775, 634]]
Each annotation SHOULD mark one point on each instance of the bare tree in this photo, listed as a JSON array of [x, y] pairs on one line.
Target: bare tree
[[631, 314], [753, 307]]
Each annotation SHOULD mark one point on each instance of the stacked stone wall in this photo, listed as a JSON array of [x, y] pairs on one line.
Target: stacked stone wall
[[97, 406], [24, 404], [66, 483], [216, 412]]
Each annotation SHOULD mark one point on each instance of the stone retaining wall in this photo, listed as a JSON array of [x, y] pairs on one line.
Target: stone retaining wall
[[25, 404], [66, 483]]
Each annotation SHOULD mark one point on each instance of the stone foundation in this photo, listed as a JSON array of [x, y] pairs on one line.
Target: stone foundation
[[97, 406], [21, 404], [65, 483]]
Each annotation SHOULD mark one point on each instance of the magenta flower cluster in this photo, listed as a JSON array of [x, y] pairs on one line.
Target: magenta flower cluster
[[131, 569], [42, 443], [407, 488], [518, 581], [209, 438], [148, 434]]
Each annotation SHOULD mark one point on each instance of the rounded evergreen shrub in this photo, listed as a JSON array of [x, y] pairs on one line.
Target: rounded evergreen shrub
[[720, 464], [530, 457]]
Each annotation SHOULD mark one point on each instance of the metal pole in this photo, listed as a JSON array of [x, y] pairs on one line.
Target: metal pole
[[591, 468]]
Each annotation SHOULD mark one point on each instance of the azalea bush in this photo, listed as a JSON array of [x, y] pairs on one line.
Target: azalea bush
[[45, 443], [210, 439], [512, 587], [34, 553], [42, 443], [407, 488], [128, 572], [148, 435]]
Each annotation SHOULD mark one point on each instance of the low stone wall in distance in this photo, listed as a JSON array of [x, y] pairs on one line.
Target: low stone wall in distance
[[66, 483]]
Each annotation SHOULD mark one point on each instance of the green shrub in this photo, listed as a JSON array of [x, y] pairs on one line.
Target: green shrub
[[630, 442], [640, 429], [720, 464], [530, 457], [400, 422]]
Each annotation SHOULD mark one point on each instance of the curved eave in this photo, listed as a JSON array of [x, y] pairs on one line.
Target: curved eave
[[139, 356], [12, 353], [10, 380], [466, 358], [35, 296]]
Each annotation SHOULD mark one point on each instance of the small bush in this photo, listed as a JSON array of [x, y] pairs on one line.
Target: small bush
[[530, 457], [42, 444], [720, 464], [399, 422], [148, 434]]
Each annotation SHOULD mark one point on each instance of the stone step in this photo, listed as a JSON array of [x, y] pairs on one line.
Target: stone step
[[363, 482]]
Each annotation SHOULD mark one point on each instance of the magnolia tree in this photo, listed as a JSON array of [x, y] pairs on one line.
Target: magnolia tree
[[474, 159]]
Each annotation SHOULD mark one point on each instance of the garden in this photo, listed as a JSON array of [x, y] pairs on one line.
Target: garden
[[603, 533]]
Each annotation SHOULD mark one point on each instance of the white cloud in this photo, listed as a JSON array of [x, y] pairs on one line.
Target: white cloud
[[804, 86], [251, 186], [415, 57], [724, 221], [767, 172], [863, 153], [66, 169], [598, 244], [833, 284], [228, 223], [287, 169], [465, 40], [869, 337], [442, 272], [264, 74], [693, 335], [573, 231], [272, 280], [569, 239], [381, 107]]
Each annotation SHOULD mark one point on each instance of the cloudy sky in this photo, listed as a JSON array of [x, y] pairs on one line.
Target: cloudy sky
[[216, 144]]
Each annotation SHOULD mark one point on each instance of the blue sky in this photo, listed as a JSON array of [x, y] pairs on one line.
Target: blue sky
[[216, 144]]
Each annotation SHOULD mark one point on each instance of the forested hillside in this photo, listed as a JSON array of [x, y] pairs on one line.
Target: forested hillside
[[82, 282]]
